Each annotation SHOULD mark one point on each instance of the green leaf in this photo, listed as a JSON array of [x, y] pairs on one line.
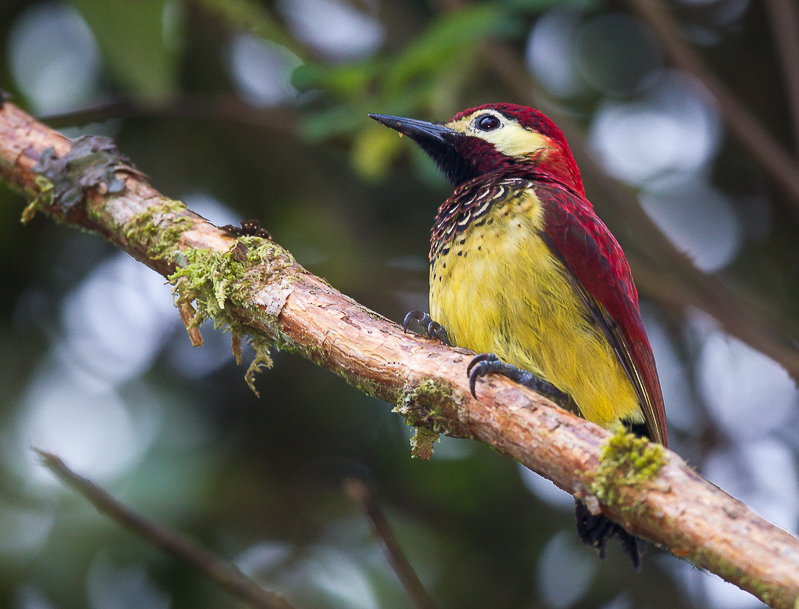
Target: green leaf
[[328, 123], [345, 81], [446, 42]]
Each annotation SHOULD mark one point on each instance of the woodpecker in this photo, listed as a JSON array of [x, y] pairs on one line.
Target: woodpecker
[[523, 272]]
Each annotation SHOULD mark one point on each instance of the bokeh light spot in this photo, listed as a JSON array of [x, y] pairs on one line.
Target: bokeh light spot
[[54, 59], [261, 71]]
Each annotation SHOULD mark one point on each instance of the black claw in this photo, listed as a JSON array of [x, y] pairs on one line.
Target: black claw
[[477, 359], [437, 331], [487, 363], [420, 316], [433, 329], [472, 382], [479, 366]]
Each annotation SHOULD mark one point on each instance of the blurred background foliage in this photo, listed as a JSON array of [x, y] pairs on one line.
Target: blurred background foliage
[[258, 109]]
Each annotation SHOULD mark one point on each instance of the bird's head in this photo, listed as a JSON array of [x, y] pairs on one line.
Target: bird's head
[[490, 138]]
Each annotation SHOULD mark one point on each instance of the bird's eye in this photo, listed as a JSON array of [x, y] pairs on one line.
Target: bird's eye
[[487, 122]]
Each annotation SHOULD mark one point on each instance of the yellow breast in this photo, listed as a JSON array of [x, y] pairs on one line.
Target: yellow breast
[[497, 288]]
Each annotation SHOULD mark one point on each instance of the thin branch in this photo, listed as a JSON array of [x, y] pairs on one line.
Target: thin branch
[[225, 575], [784, 17], [764, 149], [224, 108], [360, 492], [257, 286]]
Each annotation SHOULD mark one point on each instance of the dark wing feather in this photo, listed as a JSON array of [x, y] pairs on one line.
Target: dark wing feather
[[601, 276]]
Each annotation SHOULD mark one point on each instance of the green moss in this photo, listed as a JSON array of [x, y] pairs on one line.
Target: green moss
[[422, 443], [209, 280], [43, 198], [425, 406], [422, 404], [626, 460], [361, 385], [214, 281], [262, 358], [158, 228], [771, 595]]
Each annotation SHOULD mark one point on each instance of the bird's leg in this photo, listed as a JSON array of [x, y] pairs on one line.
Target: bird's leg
[[432, 328], [486, 363]]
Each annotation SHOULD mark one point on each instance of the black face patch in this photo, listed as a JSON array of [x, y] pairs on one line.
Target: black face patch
[[449, 161]]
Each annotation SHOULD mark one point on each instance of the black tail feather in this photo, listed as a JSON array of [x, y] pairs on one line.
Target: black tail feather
[[595, 530]]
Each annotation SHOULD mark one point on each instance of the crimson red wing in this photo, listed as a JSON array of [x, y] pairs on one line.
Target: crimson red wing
[[602, 277]]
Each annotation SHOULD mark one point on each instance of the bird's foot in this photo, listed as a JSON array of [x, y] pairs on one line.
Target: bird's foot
[[433, 329], [595, 530], [486, 363]]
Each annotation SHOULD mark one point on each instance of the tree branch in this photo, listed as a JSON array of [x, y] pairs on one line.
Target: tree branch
[[784, 17], [360, 492], [256, 287], [764, 149], [222, 573], [224, 108]]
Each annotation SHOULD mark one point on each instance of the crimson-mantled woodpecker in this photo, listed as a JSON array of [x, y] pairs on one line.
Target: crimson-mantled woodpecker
[[524, 272]]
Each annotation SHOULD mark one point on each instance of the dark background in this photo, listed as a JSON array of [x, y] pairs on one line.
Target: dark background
[[247, 109]]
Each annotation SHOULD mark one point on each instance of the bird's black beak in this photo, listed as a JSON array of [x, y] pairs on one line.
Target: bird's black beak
[[438, 141], [420, 131]]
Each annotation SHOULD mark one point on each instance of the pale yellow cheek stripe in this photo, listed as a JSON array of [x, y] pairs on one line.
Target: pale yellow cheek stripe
[[511, 139], [500, 290]]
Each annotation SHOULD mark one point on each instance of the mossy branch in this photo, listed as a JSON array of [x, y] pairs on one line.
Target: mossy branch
[[254, 287]]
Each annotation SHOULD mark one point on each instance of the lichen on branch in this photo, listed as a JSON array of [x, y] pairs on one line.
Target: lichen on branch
[[425, 406], [158, 229], [626, 460]]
